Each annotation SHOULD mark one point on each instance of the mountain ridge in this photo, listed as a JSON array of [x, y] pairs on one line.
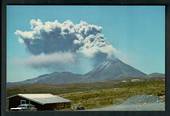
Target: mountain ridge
[[112, 69]]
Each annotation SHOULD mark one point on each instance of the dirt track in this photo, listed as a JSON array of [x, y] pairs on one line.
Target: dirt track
[[133, 107]]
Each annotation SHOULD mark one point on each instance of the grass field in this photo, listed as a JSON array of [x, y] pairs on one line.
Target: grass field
[[99, 94]]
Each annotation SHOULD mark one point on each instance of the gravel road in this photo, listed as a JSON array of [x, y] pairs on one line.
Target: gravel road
[[133, 107], [137, 103]]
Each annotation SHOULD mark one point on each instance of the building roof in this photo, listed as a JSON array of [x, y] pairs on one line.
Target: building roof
[[44, 98]]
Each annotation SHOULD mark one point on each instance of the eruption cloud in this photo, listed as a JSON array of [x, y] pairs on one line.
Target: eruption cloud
[[51, 41]]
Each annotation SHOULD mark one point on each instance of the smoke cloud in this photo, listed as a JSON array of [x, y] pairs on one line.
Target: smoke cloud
[[52, 43]]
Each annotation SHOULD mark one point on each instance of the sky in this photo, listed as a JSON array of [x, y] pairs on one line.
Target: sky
[[45, 39]]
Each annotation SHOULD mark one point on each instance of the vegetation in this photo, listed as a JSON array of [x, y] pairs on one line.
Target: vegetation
[[99, 94]]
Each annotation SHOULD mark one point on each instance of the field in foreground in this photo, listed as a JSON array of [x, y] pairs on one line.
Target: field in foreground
[[99, 94]]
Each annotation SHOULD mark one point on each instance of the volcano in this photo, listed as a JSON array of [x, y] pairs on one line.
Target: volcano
[[113, 69]]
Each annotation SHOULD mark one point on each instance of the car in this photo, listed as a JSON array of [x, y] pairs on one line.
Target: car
[[23, 107], [16, 109], [80, 108]]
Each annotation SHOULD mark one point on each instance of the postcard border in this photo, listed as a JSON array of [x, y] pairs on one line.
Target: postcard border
[[88, 2]]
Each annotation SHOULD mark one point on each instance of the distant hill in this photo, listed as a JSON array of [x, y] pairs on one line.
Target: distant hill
[[53, 78], [156, 75], [113, 69]]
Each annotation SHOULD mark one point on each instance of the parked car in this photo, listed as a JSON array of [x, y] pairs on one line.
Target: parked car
[[80, 108], [23, 107], [77, 107], [16, 109]]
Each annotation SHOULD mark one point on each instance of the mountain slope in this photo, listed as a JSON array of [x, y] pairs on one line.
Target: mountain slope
[[113, 69]]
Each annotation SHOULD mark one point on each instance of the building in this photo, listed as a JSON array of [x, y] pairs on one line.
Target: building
[[40, 101]]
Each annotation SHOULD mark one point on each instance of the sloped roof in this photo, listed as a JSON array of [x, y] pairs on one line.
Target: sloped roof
[[44, 98]]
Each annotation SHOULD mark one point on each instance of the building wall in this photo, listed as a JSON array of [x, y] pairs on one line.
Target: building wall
[[13, 102], [57, 106]]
